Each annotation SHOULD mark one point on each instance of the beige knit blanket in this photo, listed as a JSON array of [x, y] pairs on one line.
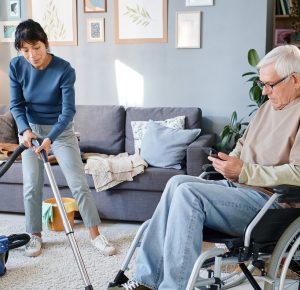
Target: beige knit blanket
[[110, 170]]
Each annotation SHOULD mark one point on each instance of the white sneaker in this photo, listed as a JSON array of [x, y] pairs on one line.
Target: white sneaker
[[102, 244], [34, 247]]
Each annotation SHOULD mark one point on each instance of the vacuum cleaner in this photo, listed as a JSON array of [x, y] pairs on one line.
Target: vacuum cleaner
[[66, 223], [9, 243]]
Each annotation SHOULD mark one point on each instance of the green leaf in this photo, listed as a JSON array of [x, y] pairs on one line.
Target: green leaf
[[253, 79], [254, 110], [233, 118], [226, 131], [248, 74], [255, 94], [253, 58]]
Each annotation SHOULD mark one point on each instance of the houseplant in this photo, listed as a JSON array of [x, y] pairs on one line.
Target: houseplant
[[235, 129]]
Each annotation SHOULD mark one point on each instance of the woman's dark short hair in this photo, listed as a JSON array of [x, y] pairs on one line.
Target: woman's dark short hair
[[29, 31]]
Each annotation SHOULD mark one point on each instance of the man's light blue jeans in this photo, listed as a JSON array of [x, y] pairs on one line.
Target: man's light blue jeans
[[172, 242], [66, 151]]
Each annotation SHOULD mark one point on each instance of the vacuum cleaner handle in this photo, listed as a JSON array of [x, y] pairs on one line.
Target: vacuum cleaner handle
[[37, 143], [12, 159]]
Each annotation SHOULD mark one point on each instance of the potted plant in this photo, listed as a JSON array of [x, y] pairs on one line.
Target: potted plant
[[235, 129]]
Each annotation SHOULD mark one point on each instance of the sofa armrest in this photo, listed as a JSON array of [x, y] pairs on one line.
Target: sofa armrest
[[196, 156]]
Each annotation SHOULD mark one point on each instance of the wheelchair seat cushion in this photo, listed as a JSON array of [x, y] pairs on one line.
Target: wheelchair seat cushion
[[213, 236]]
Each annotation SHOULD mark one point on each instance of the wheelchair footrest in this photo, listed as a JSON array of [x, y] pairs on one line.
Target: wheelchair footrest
[[120, 278]]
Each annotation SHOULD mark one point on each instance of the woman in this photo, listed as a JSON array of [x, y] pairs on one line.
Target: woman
[[43, 105]]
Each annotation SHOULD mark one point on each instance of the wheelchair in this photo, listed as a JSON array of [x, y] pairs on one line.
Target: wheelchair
[[268, 253]]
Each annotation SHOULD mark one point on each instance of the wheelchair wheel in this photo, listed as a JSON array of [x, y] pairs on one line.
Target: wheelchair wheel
[[285, 252]]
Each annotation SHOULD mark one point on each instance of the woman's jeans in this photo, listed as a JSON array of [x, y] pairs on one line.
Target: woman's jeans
[[66, 151], [172, 242]]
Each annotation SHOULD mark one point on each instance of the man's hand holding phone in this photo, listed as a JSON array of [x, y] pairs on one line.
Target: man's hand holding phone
[[230, 167]]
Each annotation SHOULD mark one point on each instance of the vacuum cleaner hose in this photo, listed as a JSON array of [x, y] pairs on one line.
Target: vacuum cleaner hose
[[12, 159], [17, 240]]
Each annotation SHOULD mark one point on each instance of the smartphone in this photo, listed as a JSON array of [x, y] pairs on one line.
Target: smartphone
[[213, 153]]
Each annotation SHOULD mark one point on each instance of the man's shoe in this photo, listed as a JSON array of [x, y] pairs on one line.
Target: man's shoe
[[102, 244], [129, 285], [34, 247]]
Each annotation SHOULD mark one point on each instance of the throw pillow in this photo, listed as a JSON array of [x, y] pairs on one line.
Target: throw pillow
[[166, 147], [8, 129], [139, 128]]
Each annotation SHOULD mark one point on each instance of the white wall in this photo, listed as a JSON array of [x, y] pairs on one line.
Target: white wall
[[209, 78]]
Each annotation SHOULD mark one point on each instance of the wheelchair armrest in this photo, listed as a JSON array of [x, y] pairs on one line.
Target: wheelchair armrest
[[290, 193]]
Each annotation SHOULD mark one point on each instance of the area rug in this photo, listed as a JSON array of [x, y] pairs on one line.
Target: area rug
[[56, 267]]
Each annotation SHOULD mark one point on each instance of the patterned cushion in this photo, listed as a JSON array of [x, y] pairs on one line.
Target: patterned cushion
[[139, 128]]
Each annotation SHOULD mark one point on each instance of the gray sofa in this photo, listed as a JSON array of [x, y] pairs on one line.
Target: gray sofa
[[107, 129]]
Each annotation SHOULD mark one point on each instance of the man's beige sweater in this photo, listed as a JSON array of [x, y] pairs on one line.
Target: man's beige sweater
[[270, 147]]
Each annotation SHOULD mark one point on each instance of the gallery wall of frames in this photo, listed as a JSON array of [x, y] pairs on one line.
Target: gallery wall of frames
[[139, 21]]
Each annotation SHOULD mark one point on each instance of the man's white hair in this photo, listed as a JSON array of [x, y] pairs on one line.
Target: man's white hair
[[285, 58]]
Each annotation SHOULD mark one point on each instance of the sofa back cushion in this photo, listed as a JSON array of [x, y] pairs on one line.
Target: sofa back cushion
[[8, 127], [193, 119], [101, 128]]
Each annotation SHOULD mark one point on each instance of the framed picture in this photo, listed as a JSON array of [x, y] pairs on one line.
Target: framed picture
[[13, 9], [283, 36], [7, 30], [94, 6], [188, 27], [58, 18], [95, 29], [199, 2], [140, 21]]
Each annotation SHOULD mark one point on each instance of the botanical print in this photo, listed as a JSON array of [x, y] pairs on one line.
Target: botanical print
[[139, 21], [52, 24], [57, 17], [138, 15]]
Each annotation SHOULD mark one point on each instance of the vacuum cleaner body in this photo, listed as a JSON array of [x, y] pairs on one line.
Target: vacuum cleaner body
[[3, 254]]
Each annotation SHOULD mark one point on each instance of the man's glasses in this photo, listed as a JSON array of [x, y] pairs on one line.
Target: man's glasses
[[263, 85]]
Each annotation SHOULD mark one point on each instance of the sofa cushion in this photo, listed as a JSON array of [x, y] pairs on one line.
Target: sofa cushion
[[139, 128], [166, 147], [101, 128], [8, 129], [153, 179], [193, 118]]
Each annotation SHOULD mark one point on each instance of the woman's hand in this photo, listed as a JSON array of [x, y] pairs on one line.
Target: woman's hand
[[230, 167], [28, 136], [46, 144]]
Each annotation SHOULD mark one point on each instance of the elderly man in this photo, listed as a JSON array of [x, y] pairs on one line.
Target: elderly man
[[268, 154]]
